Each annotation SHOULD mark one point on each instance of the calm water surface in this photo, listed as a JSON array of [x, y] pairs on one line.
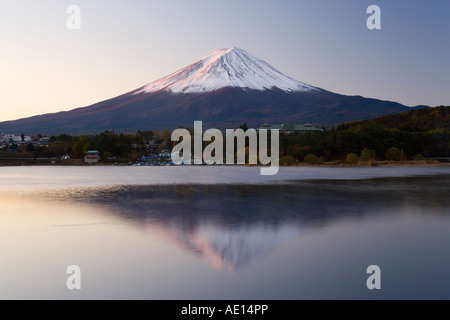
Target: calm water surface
[[224, 232]]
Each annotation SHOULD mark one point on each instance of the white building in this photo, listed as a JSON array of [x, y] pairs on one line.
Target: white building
[[92, 156], [15, 138]]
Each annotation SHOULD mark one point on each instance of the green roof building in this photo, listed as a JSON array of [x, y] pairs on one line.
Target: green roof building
[[289, 128], [92, 156]]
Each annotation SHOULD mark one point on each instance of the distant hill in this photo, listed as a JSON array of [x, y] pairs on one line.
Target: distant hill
[[421, 119], [415, 134]]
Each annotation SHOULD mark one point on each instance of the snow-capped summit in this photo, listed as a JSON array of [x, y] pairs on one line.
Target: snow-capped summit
[[231, 67]]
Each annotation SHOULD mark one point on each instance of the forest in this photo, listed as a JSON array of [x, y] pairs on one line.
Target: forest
[[413, 135], [416, 134]]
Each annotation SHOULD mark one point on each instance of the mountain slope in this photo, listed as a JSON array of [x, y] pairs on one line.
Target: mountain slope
[[416, 120], [224, 89]]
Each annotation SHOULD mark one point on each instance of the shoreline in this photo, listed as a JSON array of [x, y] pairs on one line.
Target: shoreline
[[80, 163]]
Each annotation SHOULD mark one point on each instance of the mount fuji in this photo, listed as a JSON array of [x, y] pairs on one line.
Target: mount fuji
[[224, 89]]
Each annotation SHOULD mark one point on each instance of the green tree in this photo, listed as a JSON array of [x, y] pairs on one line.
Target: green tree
[[287, 160], [156, 134], [393, 154], [106, 155], [61, 138], [368, 155], [312, 159], [80, 146], [146, 136], [167, 137], [29, 147], [352, 158]]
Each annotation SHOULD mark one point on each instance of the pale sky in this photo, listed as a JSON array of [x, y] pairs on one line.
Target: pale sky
[[123, 45]]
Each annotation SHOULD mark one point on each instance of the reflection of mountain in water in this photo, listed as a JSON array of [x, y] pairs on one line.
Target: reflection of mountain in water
[[230, 248], [241, 245], [233, 225]]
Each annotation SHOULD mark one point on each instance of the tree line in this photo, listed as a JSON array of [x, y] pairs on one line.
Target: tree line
[[416, 134]]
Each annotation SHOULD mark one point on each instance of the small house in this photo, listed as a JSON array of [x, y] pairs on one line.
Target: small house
[[92, 156]]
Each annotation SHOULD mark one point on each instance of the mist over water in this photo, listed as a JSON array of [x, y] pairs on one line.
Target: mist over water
[[224, 233]]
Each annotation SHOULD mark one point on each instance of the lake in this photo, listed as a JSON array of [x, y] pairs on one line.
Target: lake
[[224, 232]]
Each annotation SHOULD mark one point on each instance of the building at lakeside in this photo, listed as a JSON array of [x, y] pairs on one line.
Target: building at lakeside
[[92, 156], [15, 138]]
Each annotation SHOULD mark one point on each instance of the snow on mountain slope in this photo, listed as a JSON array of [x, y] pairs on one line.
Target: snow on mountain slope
[[232, 67]]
